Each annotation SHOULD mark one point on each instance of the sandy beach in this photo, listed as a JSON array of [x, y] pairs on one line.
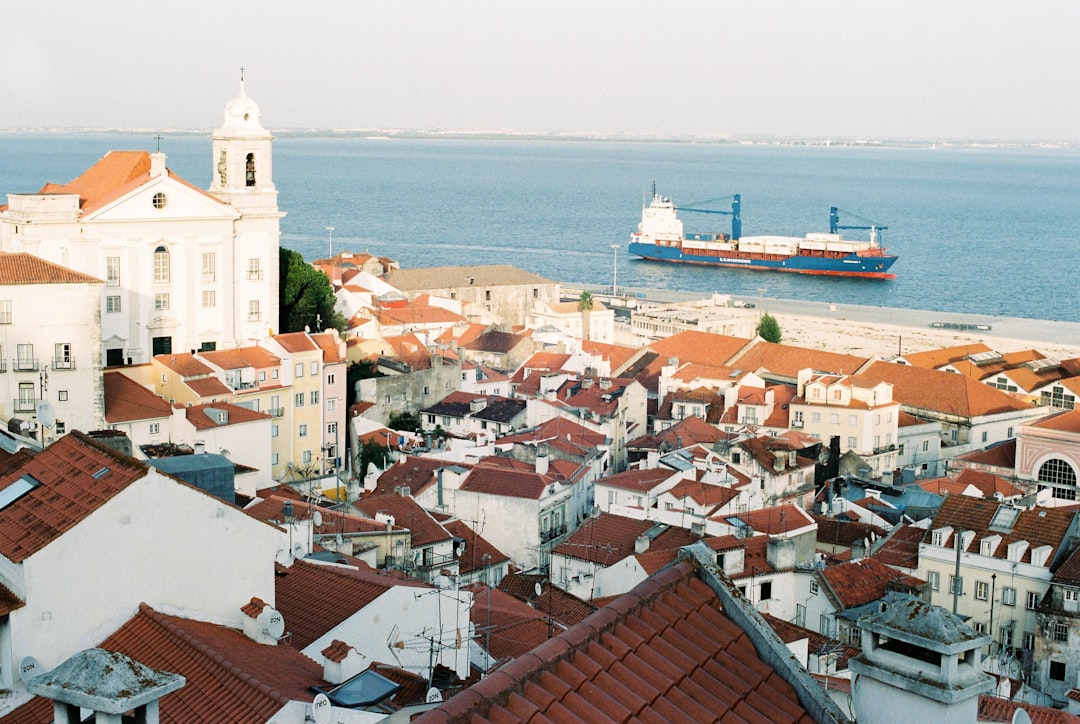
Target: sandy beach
[[884, 340]]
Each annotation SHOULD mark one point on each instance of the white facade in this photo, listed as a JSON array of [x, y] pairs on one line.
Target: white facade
[[52, 356], [150, 543], [184, 269]]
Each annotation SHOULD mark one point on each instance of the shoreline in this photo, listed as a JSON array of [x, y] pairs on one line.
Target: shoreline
[[884, 332]]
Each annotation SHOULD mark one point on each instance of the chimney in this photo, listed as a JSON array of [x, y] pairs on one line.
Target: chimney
[[858, 549], [200, 447], [542, 462], [641, 544], [157, 164], [262, 623], [107, 683], [478, 404], [780, 553], [341, 662]]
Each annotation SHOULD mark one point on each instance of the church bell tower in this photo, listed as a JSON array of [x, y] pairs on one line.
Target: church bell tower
[[243, 173]]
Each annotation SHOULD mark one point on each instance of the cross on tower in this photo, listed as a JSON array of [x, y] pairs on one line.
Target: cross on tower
[[158, 138], [241, 74]]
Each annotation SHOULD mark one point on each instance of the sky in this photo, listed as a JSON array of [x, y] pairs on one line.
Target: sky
[[843, 69]]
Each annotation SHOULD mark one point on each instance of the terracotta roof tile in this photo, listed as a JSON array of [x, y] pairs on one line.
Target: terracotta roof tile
[[860, 582], [1038, 526], [241, 357], [184, 364], [414, 472], [343, 592], [294, 342], [479, 552], [126, 400], [564, 607], [607, 539], [946, 392], [786, 361], [777, 520], [1068, 421], [900, 548], [639, 658], [204, 417], [640, 481], [506, 482], [407, 513], [71, 486], [934, 358], [22, 268], [208, 387]]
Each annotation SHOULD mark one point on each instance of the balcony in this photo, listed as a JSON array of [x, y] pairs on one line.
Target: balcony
[[25, 364], [253, 316], [63, 363], [796, 424], [255, 275], [884, 449], [3, 365], [23, 404], [276, 412], [552, 533]]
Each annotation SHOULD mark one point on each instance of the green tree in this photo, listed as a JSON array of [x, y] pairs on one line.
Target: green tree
[[769, 329], [404, 421], [585, 304], [305, 296], [373, 452]]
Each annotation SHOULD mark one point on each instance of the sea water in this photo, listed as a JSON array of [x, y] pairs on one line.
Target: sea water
[[980, 230]]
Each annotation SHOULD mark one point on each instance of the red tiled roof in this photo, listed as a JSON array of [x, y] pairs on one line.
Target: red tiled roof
[[704, 348], [1069, 571], [901, 547], [554, 429], [996, 709], [328, 343], [240, 357], [23, 268], [341, 593], [934, 358], [859, 582], [607, 539], [786, 361], [417, 314], [946, 392], [618, 356], [9, 601], [988, 483], [235, 415], [479, 553], [1068, 421], [708, 495], [564, 607], [1038, 526], [294, 342], [663, 652], [415, 473], [640, 481], [72, 487], [407, 513], [269, 509], [511, 627], [843, 533], [126, 400], [777, 520], [229, 676], [999, 455], [691, 431], [208, 387], [507, 482], [184, 364]]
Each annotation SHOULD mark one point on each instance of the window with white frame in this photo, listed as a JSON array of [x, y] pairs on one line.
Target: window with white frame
[[314, 369], [254, 273], [161, 301], [209, 299], [956, 584], [1032, 600], [274, 457], [1060, 633], [209, 266], [275, 430], [299, 369], [112, 303], [331, 428], [982, 590], [5, 311], [253, 310], [305, 457], [314, 397], [155, 428], [299, 400], [162, 266], [814, 588], [331, 404], [112, 271], [1008, 596], [330, 379], [302, 430]]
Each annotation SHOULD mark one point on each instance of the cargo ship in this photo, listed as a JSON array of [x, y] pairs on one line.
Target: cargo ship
[[660, 237]]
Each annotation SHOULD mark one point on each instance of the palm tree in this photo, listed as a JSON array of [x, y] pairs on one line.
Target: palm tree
[[585, 304]]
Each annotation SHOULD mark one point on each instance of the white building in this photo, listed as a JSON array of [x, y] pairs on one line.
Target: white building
[[53, 357], [184, 269], [80, 517]]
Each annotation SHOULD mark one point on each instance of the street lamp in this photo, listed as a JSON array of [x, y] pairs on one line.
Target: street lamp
[[331, 230], [760, 301], [614, 269]]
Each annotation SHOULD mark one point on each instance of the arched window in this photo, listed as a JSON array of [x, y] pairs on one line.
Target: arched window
[[161, 264], [249, 170], [1060, 477]]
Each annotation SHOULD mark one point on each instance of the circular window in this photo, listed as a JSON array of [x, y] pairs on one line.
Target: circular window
[[247, 116], [160, 200]]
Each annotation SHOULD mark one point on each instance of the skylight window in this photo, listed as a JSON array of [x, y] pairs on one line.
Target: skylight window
[[101, 473], [1005, 518], [17, 489]]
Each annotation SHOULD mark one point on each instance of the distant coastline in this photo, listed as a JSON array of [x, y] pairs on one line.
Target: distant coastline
[[583, 136]]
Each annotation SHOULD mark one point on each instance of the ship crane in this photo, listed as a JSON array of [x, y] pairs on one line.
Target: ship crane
[[734, 213], [835, 225]]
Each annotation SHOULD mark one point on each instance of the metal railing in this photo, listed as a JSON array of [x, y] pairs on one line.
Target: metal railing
[[22, 404], [552, 533], [63, 363], [24, 364], [254, 275], [276, 412]]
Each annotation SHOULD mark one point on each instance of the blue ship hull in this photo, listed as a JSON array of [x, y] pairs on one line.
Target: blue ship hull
[[871, 266]]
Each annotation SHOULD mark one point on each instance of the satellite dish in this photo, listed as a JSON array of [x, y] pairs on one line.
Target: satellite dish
[[46, 414], [539, 589], [275, 622], [1020, 716], [433, 696], [340, 539], [317, 519], [321, 709], [29, 667]]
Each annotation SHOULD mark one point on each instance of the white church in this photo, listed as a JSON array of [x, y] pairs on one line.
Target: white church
[[183, 269]]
